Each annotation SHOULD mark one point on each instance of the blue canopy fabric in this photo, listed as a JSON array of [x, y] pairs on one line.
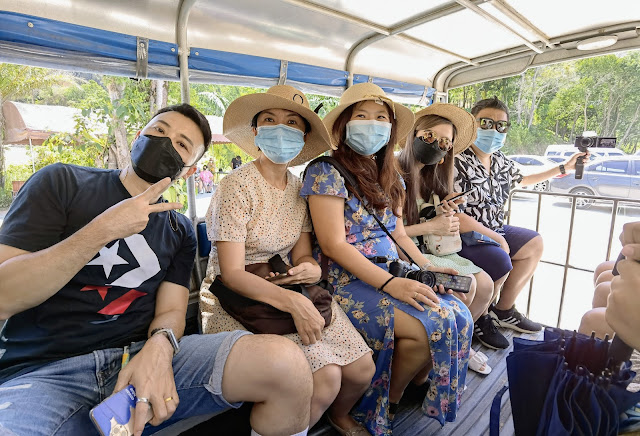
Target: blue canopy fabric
[[54, 44]]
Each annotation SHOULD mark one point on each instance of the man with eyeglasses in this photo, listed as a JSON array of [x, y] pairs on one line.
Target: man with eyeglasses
[[513, 255]]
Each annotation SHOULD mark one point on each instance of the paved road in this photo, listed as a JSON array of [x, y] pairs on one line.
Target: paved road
[[588, 249]]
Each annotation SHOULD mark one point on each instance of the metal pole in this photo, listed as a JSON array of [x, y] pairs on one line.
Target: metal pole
[[33, 161], [473, 7], [566, 263], [532, 276], [614, 214], [183, 59], [573, 198]]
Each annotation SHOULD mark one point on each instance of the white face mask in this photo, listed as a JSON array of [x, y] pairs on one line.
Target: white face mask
[[367, 137], [280, 144]]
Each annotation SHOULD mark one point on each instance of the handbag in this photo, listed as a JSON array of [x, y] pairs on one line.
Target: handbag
[[476, 238], [567, 384], [259, 317], [439, 245]]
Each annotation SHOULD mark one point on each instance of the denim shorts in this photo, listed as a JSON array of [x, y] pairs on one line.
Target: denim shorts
[[56, 398]]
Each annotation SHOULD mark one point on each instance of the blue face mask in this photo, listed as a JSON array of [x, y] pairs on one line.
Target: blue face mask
[[367, 137], [280, 144], [490, 140]]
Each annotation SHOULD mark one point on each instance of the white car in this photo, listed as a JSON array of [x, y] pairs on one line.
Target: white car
[[532, 164]]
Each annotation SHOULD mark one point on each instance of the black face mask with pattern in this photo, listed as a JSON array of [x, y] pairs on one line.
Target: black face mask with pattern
[[427, 153], [153, 158]]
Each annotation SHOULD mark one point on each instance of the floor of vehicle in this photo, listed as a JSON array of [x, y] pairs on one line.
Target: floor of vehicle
[[472, 420]]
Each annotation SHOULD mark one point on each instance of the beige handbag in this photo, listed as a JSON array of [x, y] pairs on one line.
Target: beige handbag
[[436, 244]]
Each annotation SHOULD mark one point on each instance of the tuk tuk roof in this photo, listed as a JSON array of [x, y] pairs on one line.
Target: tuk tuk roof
[[411, 48]]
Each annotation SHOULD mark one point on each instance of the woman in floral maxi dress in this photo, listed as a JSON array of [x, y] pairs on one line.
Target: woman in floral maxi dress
[[429, 336]]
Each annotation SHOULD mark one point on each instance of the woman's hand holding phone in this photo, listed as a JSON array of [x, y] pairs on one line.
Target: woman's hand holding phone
[[304, 273], [456, 197]]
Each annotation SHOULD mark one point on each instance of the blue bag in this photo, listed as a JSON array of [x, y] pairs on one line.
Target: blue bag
[[566, 384], [476, 238]]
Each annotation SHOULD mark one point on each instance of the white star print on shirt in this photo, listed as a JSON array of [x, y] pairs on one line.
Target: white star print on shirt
[[108, 258]]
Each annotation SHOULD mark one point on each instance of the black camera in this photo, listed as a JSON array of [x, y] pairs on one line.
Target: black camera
[[594, 141], [584, 142], [430, 278]]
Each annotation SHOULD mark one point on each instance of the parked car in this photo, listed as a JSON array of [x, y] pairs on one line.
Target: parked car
[[532, 164], [612, 177], [562, 152]]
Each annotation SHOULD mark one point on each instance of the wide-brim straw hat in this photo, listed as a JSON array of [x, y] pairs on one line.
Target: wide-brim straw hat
[[236, 124], [369, 91], [463, 121]]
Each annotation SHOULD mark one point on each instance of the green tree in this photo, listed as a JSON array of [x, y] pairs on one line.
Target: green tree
[[18, 82], [123, 105], [556, 103]]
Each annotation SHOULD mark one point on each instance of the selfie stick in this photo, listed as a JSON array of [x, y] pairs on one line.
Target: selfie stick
[[580, 164]]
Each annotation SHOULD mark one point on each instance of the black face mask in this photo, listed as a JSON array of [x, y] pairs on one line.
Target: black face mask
[[427, 153], [154, 158]]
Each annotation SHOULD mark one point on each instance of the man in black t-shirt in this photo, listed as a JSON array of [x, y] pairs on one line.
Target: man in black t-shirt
[[94, 275]]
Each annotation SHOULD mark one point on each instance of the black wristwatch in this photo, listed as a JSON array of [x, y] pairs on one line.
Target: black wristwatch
[[170, 336], [562, 170]]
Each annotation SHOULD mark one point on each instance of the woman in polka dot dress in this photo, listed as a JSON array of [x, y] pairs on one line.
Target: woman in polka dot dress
[[257, 212]]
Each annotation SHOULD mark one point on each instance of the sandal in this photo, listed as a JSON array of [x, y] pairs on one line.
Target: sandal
[[358, 430], [393, 409], [482, 356], [478, 363]]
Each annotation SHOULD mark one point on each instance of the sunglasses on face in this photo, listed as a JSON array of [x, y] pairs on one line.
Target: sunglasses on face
[[443, 143], [488, 124]]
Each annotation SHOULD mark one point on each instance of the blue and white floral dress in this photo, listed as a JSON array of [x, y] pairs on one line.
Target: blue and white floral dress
[[371, 311]]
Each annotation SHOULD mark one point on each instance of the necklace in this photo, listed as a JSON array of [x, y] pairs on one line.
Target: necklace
[[126, 173]]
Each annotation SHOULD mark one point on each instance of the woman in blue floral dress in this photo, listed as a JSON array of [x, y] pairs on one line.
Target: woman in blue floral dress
[[429, 336]]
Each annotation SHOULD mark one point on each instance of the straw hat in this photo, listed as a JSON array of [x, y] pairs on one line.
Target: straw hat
[[369, 91], [236, 124], [463, 121]]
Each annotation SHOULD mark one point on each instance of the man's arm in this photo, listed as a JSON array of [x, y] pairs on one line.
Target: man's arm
[[28, 279], [151, 370], [532, 179], [569, 165]]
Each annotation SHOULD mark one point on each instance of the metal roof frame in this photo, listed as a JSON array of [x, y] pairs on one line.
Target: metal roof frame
[[514, 18]]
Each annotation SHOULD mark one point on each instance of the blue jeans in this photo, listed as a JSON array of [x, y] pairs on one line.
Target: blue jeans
[[55, 399]]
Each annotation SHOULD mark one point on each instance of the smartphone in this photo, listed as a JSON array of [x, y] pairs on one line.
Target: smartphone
[[114, 416], [456, 283], [270, 279], [459, 195]]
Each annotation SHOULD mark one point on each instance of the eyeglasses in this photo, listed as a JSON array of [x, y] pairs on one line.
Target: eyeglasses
[[488, 123], [443, 143]]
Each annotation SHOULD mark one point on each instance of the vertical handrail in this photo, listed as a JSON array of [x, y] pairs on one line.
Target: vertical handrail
[[614, 214], [566, 262], [183, 59], [572, 197], [533, 275]]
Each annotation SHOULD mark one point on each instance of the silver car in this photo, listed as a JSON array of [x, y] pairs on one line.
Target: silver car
[[532, 164], [612, 177]]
